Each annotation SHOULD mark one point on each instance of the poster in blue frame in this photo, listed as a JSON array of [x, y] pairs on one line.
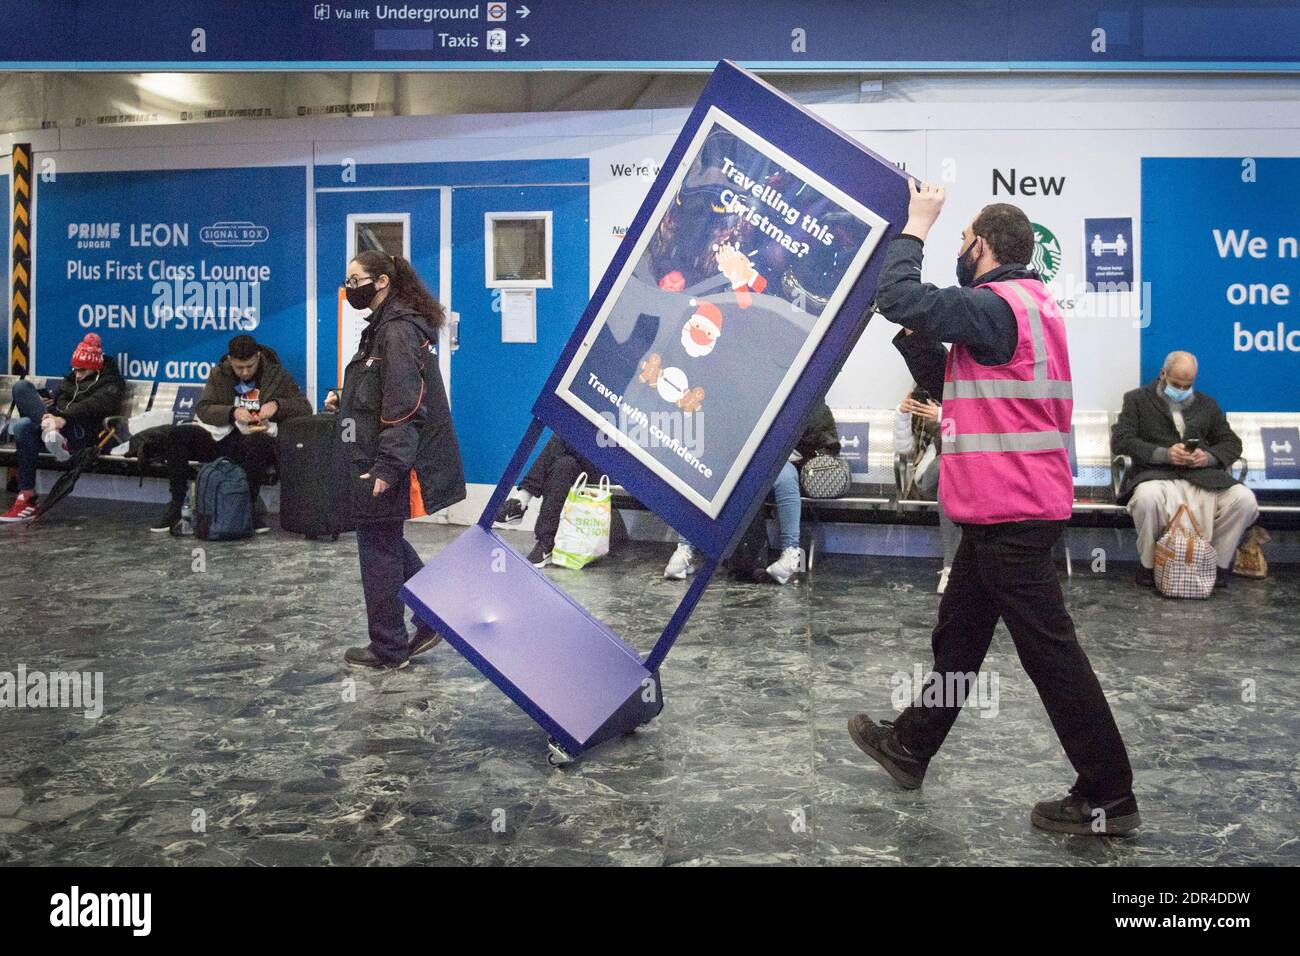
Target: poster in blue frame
[[733, 301], [746, 260], [744, 282]]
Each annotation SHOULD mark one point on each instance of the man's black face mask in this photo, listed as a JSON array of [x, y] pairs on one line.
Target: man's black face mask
[[966, 266]]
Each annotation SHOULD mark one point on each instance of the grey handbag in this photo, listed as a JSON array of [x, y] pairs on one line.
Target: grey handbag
[[825, 476]]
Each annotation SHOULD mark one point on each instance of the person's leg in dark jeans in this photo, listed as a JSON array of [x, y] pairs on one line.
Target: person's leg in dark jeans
[[560, 476], [425, 636], [255, 453], [184, 443], [382, 551], [187, 443], [27, 432], [534, 483], [27, 440]]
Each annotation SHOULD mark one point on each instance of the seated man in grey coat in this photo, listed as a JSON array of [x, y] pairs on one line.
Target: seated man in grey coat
[[1182, 450]]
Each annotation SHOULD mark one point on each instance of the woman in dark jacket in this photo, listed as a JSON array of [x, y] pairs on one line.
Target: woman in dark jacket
[[394, 418]]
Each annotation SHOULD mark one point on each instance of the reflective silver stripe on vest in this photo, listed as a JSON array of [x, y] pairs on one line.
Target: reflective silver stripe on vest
[[1006, 388], [1039, 387], [1016, 441], [1035, 329]]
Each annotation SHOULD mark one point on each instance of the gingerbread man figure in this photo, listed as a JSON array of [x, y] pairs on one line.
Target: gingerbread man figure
[[691, 400], [651, 368]]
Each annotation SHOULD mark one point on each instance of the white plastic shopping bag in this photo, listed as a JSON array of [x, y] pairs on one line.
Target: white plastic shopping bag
[[583, 535]]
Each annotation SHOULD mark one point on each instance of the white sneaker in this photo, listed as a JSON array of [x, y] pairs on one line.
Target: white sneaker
[[943, 580], [56, 445], [787, 566], [681, 564]]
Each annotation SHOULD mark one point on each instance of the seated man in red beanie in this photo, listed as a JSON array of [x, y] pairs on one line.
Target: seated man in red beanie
[[67, 420]]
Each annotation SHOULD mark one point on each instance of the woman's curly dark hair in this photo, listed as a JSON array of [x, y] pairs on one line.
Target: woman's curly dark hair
[[406, 285]]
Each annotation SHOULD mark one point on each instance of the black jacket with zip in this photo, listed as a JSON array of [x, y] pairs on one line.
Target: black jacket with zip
[[394, 411], [89, 402]]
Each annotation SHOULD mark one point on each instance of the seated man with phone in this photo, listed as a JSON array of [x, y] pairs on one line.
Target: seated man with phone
[[1183, 450]]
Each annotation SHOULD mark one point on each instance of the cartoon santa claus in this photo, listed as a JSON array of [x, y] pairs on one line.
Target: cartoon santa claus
[[701, 331]]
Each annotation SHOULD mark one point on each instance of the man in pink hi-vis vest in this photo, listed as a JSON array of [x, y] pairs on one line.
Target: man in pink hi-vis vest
[[1005, 479]]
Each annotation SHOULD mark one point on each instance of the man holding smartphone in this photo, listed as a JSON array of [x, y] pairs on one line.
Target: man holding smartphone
[[1182, 449]]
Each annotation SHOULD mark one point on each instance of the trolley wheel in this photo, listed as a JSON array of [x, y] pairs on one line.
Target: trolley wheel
[[556, 755]]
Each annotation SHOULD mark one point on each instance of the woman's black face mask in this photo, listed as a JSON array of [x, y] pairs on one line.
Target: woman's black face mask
[[361, 296]]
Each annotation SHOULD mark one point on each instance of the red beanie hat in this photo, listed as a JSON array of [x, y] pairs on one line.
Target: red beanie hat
[[89, 354]]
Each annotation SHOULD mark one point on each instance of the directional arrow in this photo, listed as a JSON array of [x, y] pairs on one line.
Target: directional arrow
[[522, 39], [522, 12]]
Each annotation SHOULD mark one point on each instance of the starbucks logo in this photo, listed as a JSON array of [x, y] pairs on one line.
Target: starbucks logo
[[1047, 253]]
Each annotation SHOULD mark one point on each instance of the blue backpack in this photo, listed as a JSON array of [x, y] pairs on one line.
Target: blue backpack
[[223, 510]]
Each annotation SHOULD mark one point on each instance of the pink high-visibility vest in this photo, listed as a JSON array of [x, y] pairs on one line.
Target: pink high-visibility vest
[[1006, 428]]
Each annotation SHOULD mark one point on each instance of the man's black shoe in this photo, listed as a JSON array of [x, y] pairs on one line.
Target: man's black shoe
[[1077, 814], [259, 523], [1146, 577], [167, 519], [540, 556], [879, 742], [425, 638], [1221, 578], [512, 512], [365, 657]]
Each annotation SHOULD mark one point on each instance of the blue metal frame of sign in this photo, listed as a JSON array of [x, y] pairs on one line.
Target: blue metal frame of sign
[[578, 679]]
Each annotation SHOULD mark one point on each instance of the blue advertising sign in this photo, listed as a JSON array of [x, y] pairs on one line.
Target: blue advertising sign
[[168, 265], [744, 263], [1086, 35], [727, 310], [1281, 453], [1221, 255], [744, 281], [1108, 253]]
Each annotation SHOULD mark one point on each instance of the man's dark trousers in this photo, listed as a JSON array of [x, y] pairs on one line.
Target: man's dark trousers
[[255, 453], [1005, 571]]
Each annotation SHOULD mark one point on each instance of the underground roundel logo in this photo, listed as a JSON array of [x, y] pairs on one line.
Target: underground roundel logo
[[1047, 253]]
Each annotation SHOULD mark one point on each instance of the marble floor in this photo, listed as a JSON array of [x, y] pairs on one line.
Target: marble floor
[[232, 734]]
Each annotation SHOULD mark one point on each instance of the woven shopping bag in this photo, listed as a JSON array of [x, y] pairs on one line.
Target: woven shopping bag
[[1185, 563], [1250, 562], [583, 535]]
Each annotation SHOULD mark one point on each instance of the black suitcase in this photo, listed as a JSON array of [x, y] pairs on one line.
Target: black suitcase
[[313, 478]]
